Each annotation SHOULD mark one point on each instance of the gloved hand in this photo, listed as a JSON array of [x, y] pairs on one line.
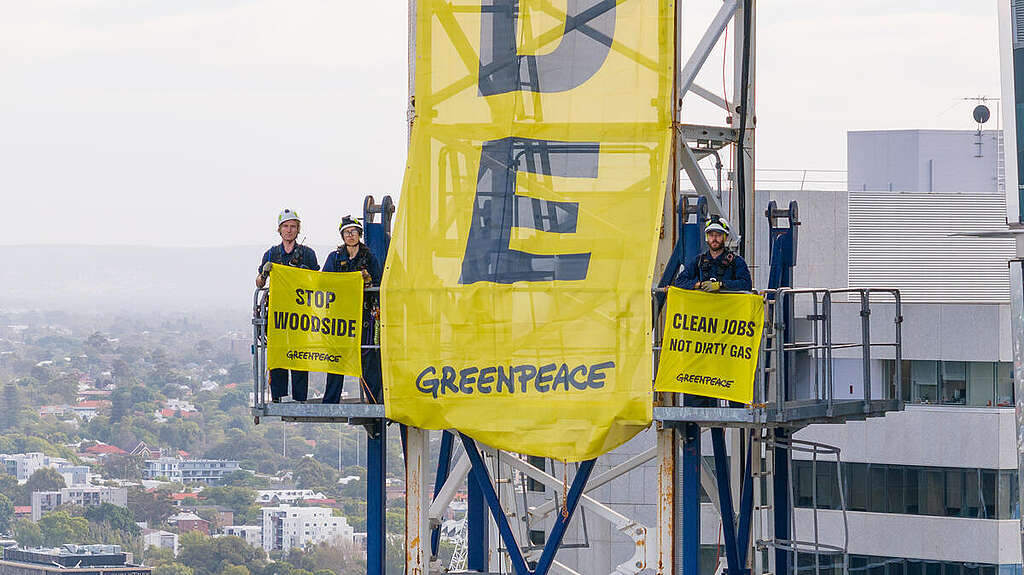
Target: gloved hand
[[711, 285]]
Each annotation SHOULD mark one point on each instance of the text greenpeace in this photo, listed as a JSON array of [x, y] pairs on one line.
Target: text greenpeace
[[314, 320], [546, 378], [710, 344]]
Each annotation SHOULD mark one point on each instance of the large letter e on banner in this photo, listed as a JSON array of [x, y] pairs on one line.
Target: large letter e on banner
[[498, 209]]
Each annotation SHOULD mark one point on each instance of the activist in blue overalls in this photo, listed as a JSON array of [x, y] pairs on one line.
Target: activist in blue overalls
[[718, 268], [353, 255], [287, 253]]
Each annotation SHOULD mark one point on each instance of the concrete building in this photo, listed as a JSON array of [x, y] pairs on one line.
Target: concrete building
[[252, 534], [162, 539], [44, 501], [206, 471], [70, 559], [286, 526]]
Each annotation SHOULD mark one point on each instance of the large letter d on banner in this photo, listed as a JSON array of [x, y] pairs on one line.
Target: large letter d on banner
[[498, 209], [589, 29]]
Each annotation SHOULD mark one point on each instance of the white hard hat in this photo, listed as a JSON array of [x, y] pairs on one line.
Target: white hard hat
[[717, 224], [286, 215]]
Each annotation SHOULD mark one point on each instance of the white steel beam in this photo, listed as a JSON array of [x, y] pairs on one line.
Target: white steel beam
[[456, 480], [542, 511], [666, 540], [710, 96], [707, 43], [417, 501], [700, 183]]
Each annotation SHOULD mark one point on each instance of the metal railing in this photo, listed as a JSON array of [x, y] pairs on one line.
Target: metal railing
[[775, 390], [260, 317], [778, 353], [782, 302]]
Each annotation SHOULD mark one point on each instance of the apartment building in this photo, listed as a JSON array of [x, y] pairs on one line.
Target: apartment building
[[287, 526], [206, 471], [45, 501]]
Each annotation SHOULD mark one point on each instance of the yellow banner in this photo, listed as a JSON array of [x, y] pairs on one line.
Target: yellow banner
[[711, 344], [314, 320], [516, 295]]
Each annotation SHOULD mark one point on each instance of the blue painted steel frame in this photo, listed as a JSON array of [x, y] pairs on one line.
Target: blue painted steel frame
[[782, 259], [376, 454], [377, 236], [691, 499], [689, 245], [483, 478], [476, 527]]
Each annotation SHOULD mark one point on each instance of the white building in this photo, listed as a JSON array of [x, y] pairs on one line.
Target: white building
[[264, 496], [207, 471], [23, 465], [252, 534], [286, 526], [44, 501], [158, 538]]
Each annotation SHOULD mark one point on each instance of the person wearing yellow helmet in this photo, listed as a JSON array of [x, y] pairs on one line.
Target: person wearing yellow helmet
[[288, 253], [718, 268], [355, 256]]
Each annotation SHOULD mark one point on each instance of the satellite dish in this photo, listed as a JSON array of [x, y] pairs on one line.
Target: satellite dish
[[981, 114]]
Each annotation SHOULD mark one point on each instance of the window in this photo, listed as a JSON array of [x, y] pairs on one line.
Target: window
[[954, 382], [876, 482], [1004, 385], [856, 476], [894, 489], [981, 384], [924, 381]]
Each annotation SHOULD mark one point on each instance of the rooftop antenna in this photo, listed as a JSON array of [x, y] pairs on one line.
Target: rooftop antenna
[[981, 115]]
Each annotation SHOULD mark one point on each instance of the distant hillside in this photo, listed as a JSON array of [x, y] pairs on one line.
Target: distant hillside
[[130, 278]]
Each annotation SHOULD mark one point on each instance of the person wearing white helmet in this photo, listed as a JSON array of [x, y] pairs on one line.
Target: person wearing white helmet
[[288, 253], [355, 256], [718, 268]]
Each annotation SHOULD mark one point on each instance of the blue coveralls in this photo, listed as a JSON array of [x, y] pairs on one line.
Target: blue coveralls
[[728, 268], [300, 257], [339, 261]]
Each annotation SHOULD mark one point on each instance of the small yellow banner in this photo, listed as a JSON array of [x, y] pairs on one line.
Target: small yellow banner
[[315, 320], [711, 344]]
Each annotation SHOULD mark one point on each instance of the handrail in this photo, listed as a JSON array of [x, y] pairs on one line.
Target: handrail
[[771, 381]]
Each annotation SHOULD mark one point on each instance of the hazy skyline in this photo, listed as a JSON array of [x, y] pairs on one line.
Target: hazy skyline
[[193, 123]]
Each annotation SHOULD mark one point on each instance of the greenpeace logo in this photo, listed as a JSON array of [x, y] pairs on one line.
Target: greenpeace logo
[[708, 380], [313, 355]]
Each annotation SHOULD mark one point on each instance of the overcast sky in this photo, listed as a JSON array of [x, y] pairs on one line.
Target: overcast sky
[[193, 122]]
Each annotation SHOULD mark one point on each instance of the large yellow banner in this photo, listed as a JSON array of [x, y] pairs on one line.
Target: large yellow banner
[[314, 320], [516, 295], [711, 344]]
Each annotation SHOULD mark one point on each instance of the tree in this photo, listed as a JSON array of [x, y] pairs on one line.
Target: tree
[[9, 487], [239, 499], [311, 474], [44, 479], [59, 528], [211, 556], [171, 569], [153, 508], [11, 417], [6, 513], [160, 556], [26, 533], [116, 517]]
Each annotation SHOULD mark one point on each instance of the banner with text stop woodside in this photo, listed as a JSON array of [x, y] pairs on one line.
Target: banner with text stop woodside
[[516, 295]]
